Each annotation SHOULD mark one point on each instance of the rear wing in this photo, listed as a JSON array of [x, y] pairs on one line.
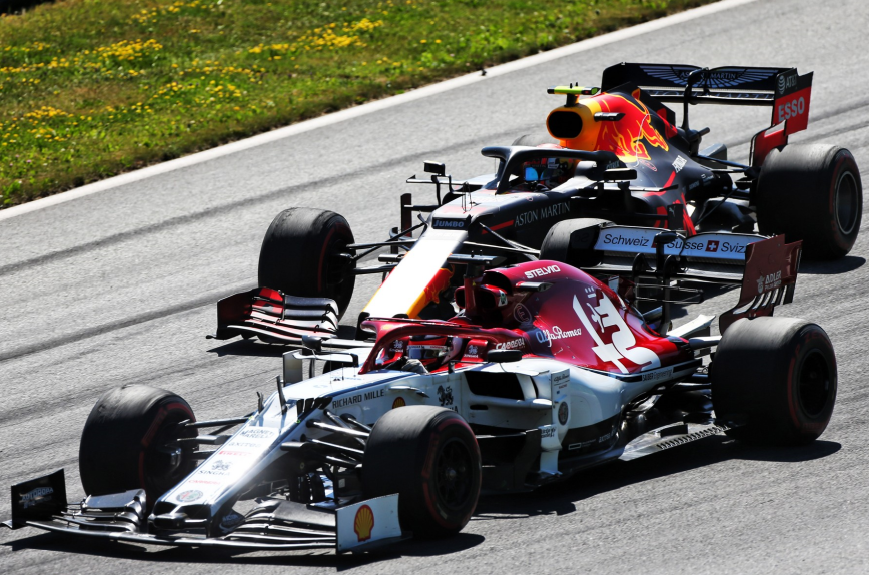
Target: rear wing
[[651, 258], [784, 89]]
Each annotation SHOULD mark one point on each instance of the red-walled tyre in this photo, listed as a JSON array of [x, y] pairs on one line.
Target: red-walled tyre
[[811, 193], [777, 376], [430, 457], [125, 442], [301, 255]]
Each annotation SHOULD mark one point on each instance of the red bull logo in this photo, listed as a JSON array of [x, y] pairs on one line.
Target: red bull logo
[[628, 137], [438, 283], [363, 523]]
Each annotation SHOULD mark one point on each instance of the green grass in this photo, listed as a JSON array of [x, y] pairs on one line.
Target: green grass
[[92, 88]]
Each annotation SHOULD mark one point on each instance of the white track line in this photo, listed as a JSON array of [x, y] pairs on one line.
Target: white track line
[[370, 107]]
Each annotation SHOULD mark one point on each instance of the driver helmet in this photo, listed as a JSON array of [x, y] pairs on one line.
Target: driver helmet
[[550, 171]]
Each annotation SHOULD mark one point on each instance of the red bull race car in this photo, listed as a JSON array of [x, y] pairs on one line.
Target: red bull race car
[[618, 168], [545, 372]]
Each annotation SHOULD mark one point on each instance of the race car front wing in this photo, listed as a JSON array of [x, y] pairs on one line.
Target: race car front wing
[[273, 524]]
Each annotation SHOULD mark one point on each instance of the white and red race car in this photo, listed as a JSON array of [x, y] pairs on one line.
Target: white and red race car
[[547, 371]]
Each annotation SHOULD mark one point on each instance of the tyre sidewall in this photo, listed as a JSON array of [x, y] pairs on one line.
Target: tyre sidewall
[[802, 425], [797, 191], [295, 251], [401, 457], [116, 452], [432, 446], [756, 375]]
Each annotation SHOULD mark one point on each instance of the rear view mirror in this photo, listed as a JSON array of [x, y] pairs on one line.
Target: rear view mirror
[[437, 168], [504, 355]]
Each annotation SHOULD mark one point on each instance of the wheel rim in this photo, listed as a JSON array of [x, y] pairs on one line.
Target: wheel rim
[[814, 383], [454, 474], [165, 462], [336, 269], [845, 203]]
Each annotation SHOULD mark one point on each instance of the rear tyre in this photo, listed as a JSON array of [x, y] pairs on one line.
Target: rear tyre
[[124, 444], [301, 256], [776, 375], [572, 242], [811, 193], [430, 457]]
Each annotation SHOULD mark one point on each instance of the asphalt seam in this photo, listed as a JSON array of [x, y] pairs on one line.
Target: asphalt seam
[[234, 205]]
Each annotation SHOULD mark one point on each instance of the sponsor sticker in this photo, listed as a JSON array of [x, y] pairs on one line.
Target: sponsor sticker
[[522, 314], [398, 402], [531, 274], [358, 398], [658, 375], [363, 523], [768, 282], [231, 520], [258, 433], [221, 465], [35, 497], [679, 163], [445, 396], [648, 164], [546, 336], [512, 344], [189, 496], [642, 240], [563, 413], [543, 213], [449, 224]]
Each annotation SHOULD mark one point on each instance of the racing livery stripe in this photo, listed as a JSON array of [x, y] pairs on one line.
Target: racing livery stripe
[[500, 226]]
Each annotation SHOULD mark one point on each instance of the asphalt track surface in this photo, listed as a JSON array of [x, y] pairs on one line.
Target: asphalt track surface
[[119, 287]]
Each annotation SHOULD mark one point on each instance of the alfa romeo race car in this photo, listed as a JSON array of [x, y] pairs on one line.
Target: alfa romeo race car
[[618, 156], [546, 372]]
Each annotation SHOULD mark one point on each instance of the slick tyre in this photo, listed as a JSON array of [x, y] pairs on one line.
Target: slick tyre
[[430, 457], [777, 376], [572, 242], [301, 255], [126, 441], [811, 193]]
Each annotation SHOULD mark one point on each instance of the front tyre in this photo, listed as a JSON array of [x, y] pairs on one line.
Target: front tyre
[[573, 241], [127, 442], [778, 377], [811, 193], [303, 254], [430, 457]]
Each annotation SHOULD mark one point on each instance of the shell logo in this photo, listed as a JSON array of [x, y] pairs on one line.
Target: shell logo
[[363, 523], [399, 402]]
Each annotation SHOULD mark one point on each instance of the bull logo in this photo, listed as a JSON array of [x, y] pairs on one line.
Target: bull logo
[[363, 523]]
